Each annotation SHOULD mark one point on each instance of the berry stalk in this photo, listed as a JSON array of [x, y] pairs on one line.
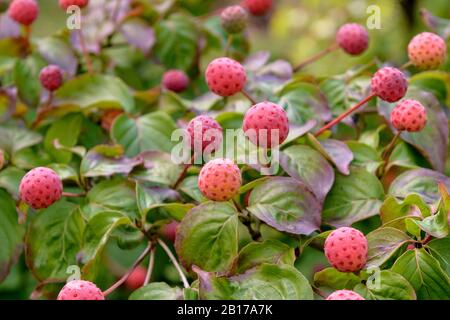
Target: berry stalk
[[315, 57], [344, 115], [175, 263], [151, 264], [249, 97]]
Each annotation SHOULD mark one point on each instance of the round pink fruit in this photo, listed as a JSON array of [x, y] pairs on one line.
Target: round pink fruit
[[409, 115], [344, 295], [136, 278], [220, 180], [258, 7], [175, 80], [389, 84], [64, 4], [23, 11], [352, 38], [427, 50], [234, 19], [225, 77], [51, 77], [80, 290], [346, 249], [40, 188], [204, 131]]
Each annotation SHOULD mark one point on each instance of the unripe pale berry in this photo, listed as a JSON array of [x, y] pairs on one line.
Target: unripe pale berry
[[409, 115], [344, 295], [64, 4], [225, 76], [51, 77], [136, 278], [220, 179], [175, 80], [352, 38], [108, 118], [234, 19], [204, 131], [262, 121], [40, 188], [23, 11], [258, 7], [80, 290], [427, 50], [346, 249], [389, 84]]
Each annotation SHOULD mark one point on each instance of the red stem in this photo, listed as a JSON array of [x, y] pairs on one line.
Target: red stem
[[315, 57], [183, 173], [249, 97], [344, 115]]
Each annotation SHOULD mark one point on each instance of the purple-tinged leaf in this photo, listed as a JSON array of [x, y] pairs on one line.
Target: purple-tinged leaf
[[57, 51], [256, 60], [139, 34], [8, 27], [287, 205], [95, 164], [439, 25], [339, 153]]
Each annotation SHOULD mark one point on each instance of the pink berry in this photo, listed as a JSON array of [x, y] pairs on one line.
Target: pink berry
[[175, 80], [220, 180], [40, 188], [225, 76], [427, 50], [410, 246], [266, 124], [352, 38], [409, 115], [136, 278], [64, 4], [80, 290], [23, 11], [258, 7], [389, 84], [204, 130], [346, 249], [345, 295], [51, 77], [169, 231], [234, 19]]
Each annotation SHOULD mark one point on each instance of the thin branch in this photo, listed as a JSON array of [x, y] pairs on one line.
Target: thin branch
[[126, 275], [87, 57], [247, 95], [344, 115], [315, 57], [175, 263], [228, 45], [391, 146], [151, 264], [73, 195], [406, 65], [183, 173]]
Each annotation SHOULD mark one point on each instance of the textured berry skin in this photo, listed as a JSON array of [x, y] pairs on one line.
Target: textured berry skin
[[409, 115], [169, 231], [427, 50], [175, 80], [23, 11], [234, 19], [80, 290], [40, 188], [225, 76], [220, 179], [346, 249], [389, 84], [108, 118], [51, 77], [136, 278], [258, 7], [203, 128], [352, 38], [344, 295], [266, 116], [64, 4]]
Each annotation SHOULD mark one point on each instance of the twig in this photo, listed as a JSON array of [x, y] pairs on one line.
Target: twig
[[228, 45], [344, 115], [319, 292], [151, 264], [183, 173], [87, 57], [247, 95], [406, 65], [315, 57], [126, 275], [175, 262], [73, 195], [390, 146]]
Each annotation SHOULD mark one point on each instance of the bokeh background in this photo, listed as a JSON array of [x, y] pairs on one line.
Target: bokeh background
[[295, 30]]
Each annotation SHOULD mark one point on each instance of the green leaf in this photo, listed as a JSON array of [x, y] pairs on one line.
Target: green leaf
[[151, 132], [372, 137], [207, 237], [95, 164], [424, 273], [272, 282], [437, 224], [13, 139], [383, 243], [405, 156], [286, 204], [10, 180], [176, 42], [116, 194], [66, 131], [269, 251], [353, 198], [334, 279], [11, 234], [65, 172], [86, 92], [440, 249], [189, 186], [97, 233], [364, 156], [26, 78], [157, 291], [393, 212], [386, 285], [57, 51], [158, 168], [423, 182], [54, 238], [310, 167]]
